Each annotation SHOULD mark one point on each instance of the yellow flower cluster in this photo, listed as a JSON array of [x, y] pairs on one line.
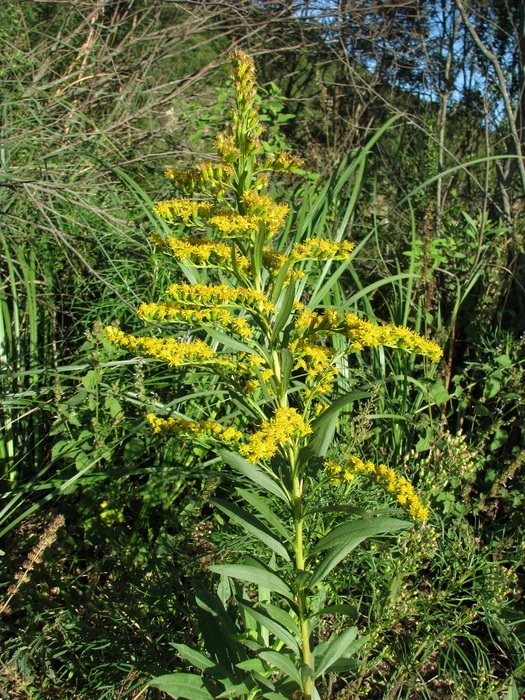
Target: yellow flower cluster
[[314, 322], [314, 359], [281, 161], [194, 428], [165, 311], [385, 476], [186, 210], [245, 116], [167, 350], [201, 251], [287, 423], [365, 334], [213, 178], [258, 208], [321, 249], [227, 148], [215, 294]]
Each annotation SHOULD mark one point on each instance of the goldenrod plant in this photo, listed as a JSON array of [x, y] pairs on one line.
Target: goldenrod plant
[[247, 318]]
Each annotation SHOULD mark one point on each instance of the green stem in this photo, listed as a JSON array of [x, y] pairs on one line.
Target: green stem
[[301, 590]]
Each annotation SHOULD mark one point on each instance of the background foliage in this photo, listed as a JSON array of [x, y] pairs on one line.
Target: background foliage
[[97, 98]]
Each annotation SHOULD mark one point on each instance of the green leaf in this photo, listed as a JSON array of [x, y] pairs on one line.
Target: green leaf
[[260, 239], [282, 617], [286, 366], [203, 663], [279, 281], [491, 387], [334, 649], [267, 513], [252, 525], [503, 361], [252, 664], [512, 691], [92, 378], [357, 529], [227, 340], [254, 473], [337, 405], [272, 626], [324, 426], [235, 691], [282, 663], [284, 312], [253, 574], [439, 393], [344, 538], [500, 438], [185, 685], [217, 628], [114, 406]]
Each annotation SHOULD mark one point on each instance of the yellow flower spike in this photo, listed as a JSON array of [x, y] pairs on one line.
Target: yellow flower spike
[[321, 249], [365, 334], [169, 350], [385, 476], [217, 294], [262, 207], [186, 210], [203, 428]]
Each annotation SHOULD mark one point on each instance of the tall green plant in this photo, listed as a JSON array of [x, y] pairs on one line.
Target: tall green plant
[[253, 322]]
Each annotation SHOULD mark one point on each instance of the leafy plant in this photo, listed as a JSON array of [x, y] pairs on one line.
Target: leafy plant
[[256, 328]]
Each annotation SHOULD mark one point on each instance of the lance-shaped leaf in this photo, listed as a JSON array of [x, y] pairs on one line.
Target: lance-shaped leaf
[[334, 649], [260, 239], [261, 505], [344, 538], [357, 529], [254, 473], [285, 311], [253, 574], [227, 340], [282, 663], [252, 525], [324, 426], [282, 617], [203, 663], [287, 362], [185, 685], [272, 626], [279, 282], [217, 628]]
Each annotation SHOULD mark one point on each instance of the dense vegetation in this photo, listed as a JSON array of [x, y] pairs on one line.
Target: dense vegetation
[[409, 117]]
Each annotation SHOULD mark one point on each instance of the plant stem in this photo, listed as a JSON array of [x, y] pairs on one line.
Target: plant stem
[[301, 590]]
